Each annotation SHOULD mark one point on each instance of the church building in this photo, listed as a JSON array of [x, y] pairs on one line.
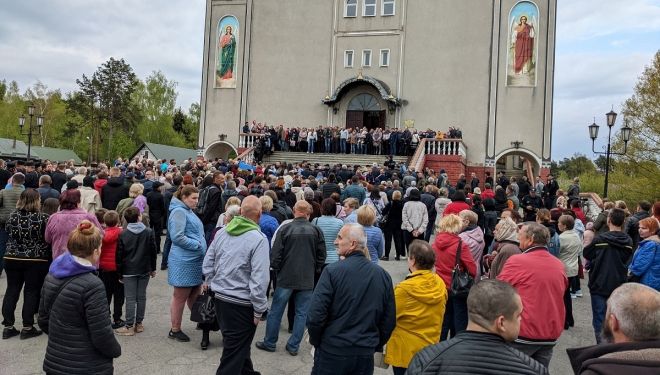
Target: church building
[[483, 66]]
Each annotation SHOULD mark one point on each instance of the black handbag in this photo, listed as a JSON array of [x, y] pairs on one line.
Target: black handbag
[[203, 310], [461, 281]]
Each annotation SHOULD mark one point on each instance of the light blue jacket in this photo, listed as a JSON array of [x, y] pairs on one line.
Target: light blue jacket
[[646, 263], [188, 246]]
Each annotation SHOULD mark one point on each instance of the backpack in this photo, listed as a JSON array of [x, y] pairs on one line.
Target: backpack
[[202, 203]]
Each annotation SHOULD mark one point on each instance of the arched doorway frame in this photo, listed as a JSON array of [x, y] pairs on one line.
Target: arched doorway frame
[[224, 154], [529, 155]]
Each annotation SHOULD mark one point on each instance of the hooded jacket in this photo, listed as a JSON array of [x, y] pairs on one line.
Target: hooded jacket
[[188, 246], [646, 263], [136, 251], [76, 320], [445, 247], [608, 254], [236, 265], [473, 236], [420, 307], [108, 261], [114, 191]]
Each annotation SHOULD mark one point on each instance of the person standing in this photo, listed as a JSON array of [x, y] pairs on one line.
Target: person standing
[[236, 269], [414, 218], [297, 256], [632, 224], [8, 199], [90, 200], [645, 264], [346, 334], [375, 241], [536, 273], [494, 315], [570, 248], [608, 255], [420, 304], [26, 263], [186, 256], [392, 228], [73, 309], [136, 262], [108, 267], [113, 191], [157, 209], [210, 207], [330, 227], [45, 190]]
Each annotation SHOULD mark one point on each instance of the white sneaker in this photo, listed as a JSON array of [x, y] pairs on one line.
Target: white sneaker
[[578, 293], [573, 296]]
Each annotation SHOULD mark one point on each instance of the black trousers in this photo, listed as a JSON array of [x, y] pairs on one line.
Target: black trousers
[[114, 291], [237, 327], [409, 238], [20, 273], [568, 304], [397, 235]]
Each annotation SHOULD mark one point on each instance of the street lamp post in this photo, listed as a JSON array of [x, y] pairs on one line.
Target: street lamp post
[[593, 134], [30, 132]]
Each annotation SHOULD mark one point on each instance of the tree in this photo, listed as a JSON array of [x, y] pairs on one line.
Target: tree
[[179, 122], [576, 165], [601, 163]]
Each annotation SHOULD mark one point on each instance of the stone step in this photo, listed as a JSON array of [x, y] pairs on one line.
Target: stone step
[[322, 158]]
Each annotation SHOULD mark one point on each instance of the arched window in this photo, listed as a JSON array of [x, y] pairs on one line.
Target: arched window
[[364, 102], [350, 8]]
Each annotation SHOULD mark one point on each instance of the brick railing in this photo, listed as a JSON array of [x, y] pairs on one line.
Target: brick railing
[[432, 146]]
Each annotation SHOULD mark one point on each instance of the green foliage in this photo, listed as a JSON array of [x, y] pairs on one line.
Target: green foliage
[[109, 115], [576, 165]]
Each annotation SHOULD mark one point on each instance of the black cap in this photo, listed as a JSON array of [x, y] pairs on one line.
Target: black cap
[[73, 184]]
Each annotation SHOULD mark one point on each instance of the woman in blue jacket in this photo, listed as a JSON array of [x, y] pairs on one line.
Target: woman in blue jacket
[[186, 256], [645, 266]]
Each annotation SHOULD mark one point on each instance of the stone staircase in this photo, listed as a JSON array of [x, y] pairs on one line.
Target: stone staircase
[[330, 159]]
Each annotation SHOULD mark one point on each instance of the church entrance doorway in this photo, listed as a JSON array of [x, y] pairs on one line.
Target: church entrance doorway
[[364, 111]]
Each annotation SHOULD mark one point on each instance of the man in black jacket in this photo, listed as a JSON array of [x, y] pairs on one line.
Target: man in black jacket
[[59, 179], [609, 254], [352, 313], [213, 205], [298, 254], [632, 225], [494, 311], [112, 192], [632, 327]]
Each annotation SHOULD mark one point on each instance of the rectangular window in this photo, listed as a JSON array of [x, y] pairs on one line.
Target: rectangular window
[[350, 8], [384, 57], [369, 8], [366, 57], [348, 59], [387, 8]]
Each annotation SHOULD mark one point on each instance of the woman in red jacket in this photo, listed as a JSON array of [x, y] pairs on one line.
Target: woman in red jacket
[[108, 266], [446, 246], [457, 203]]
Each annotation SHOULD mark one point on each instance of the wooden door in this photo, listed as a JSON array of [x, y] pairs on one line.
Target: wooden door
[[354, 119]]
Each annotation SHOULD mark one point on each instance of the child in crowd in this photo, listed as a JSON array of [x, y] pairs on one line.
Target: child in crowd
[[108, 266], [100, 213], [136, 262], [50, 206]]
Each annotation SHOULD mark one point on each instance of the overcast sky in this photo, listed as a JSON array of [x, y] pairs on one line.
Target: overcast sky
[[602, 48]]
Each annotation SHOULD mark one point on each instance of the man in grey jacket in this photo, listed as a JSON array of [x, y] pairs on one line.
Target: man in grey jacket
[[236, 267]]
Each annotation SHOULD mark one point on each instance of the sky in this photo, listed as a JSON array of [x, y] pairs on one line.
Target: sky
[[602, 48]]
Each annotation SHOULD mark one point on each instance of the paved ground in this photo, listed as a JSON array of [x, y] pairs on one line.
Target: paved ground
[[151, 352]]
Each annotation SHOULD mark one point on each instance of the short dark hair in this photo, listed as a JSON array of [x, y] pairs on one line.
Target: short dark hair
[[645, 205], [111, 218], [617, 216], [490, 299], [329, 207], [355, 179], [100, 213], [423, 254], [131, 215]]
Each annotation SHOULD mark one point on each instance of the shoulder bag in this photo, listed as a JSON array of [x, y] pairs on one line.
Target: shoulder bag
[[461, 281]]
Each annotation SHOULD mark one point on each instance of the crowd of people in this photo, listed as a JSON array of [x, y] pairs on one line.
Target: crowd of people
[[336, 139], [494, 266]]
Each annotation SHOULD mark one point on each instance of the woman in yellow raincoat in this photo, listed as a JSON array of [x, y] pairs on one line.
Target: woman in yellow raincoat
[[420, 308]]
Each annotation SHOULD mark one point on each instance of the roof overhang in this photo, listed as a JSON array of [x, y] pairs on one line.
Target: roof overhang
[[344, 87]]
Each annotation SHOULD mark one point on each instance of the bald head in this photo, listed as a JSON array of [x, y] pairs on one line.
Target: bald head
[[251, 208], [302, 209]]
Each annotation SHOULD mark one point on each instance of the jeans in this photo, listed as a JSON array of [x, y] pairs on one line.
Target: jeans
[[456, 317], [166, 251], [342, 145], [4, 236], [598, 309], [353, 147], [393, 148], [208, 231], [541, 353], [310, 146], [19, 273], [328, 145], [113, 289], [238, 328], [135, 288], [280, 300]]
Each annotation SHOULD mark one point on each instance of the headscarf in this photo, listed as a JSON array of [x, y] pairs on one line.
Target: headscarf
[[507, 231]]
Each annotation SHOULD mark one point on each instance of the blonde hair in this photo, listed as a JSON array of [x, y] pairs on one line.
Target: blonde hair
[[266, 203], [84, 239], [135, 190], [352, 202], [366, 215], [450, 224], [232, 201], [396, 195]]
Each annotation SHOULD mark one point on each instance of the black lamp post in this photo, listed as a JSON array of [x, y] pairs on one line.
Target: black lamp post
[[30, 132], [625, 134]]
